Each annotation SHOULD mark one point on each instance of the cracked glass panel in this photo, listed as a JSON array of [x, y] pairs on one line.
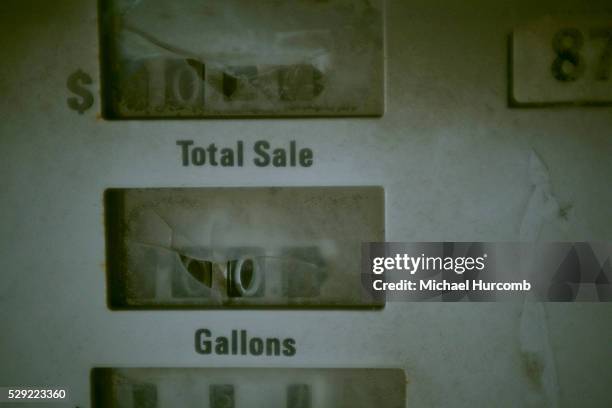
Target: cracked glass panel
[[219, 58], [248, 388], [240, 247]]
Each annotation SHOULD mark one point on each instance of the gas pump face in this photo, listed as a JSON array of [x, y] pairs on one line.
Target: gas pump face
[[187, 188]]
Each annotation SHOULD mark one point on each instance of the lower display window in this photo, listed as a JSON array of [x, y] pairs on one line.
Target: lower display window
[[247, 388]]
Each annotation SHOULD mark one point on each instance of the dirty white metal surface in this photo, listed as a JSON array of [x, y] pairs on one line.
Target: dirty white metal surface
[[454, 161]]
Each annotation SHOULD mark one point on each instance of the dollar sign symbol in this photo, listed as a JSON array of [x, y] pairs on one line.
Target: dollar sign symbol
[[75, 84]]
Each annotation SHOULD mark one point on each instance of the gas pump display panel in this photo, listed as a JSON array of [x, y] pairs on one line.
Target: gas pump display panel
[[247, 387], [241, 58], [240, 247]]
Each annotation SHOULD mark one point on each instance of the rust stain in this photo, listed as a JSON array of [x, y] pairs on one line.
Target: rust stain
[[534, 368]]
